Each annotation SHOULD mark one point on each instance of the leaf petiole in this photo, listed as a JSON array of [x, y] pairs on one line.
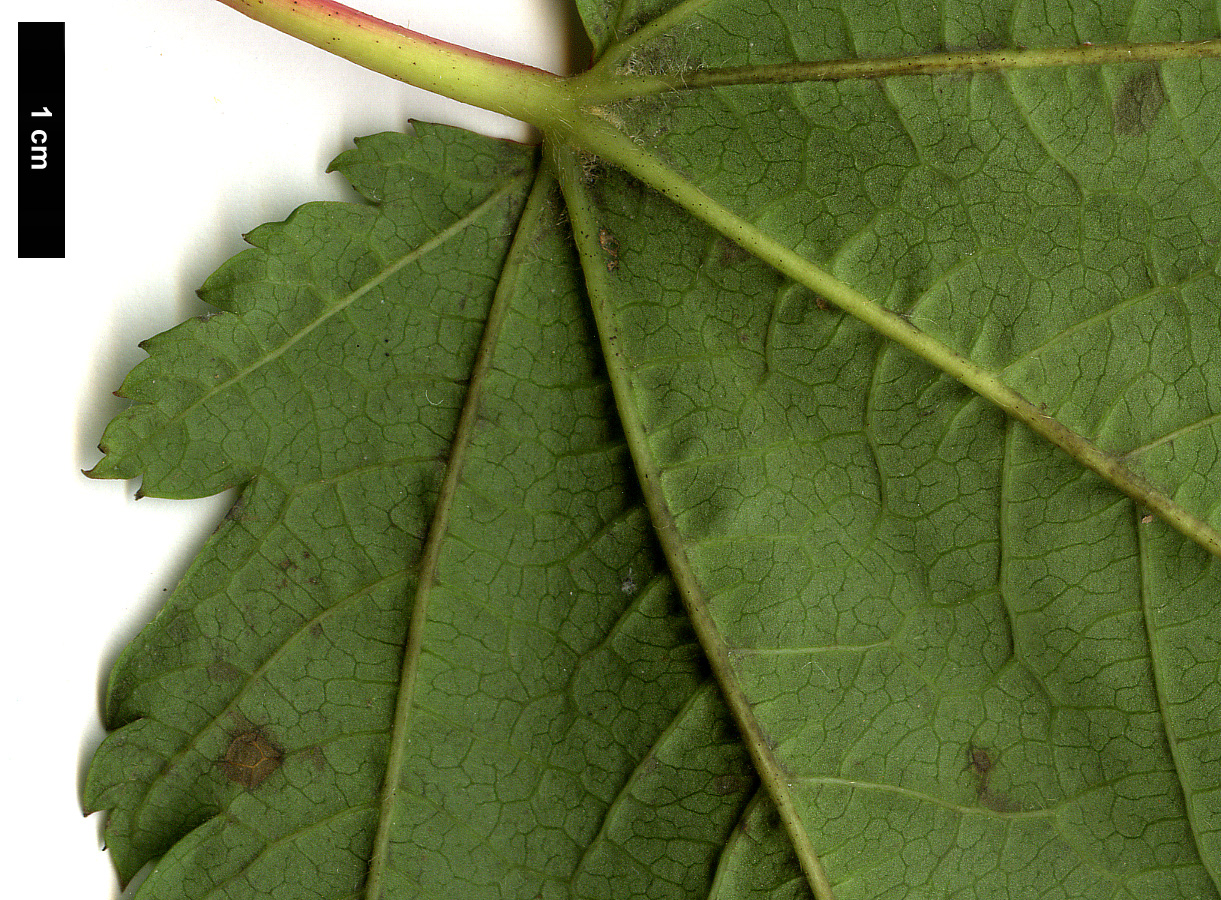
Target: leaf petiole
[[459, 73]]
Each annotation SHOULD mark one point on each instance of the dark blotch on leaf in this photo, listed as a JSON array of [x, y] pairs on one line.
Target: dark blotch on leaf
[[223, 670], [317, 757], [981, 761], [982, 764], [999, 802], [250, 758], [1140, 100], [610, 246], [729, 253], [723, 785]]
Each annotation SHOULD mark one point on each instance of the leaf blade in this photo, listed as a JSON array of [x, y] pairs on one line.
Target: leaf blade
[[877, 677], [593, 247], [535, 415], [1063, 620], [711, 168], [227, 624]]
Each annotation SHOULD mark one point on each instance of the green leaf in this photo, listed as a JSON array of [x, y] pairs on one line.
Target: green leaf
[[795, 479]]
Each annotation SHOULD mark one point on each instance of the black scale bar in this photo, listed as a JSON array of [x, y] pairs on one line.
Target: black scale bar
[[40, 140]]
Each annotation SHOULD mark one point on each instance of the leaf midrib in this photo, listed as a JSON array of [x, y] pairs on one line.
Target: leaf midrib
[[595, 135], [716, 649], [506, 288], [609, 87]]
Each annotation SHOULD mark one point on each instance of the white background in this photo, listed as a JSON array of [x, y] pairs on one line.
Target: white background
[[187, 125]]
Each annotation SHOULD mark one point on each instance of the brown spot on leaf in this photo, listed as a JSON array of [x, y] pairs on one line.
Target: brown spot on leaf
[[999, 802], [730, 253], [223, 670], [317, 757], [610, 246], [1139, 102], [724, 785], [981, 762], [250, 757]]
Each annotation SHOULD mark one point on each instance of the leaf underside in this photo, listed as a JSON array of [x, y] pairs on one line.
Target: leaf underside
[[437, 646]]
